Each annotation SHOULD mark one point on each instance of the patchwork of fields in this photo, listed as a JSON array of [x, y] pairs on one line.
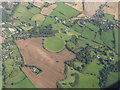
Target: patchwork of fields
[[56, 45]]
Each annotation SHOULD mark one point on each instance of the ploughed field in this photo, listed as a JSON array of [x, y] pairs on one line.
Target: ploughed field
[[52, 64]]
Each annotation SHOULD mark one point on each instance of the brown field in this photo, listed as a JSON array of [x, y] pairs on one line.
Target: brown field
[[112, 9], [91, 7], [52, 64], [2, 39], [48, 10], [39, 4], [78, 6]]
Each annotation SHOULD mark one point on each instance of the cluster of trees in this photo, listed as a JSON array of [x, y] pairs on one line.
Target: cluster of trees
[[111, 67], [46, 31], [85, 55]]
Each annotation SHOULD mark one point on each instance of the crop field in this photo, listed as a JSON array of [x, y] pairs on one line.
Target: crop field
[[52, 64], [54, 44]]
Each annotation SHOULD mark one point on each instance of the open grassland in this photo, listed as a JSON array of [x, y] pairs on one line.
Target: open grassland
[[54, 44], [51, 64]]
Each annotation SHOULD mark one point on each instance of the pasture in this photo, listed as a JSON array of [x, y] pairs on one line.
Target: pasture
[[112, 78], [94, 68], [26, 83], [54, 44], [92, 26], [88, 34], [66, 10], [48, 20], [107, 38]]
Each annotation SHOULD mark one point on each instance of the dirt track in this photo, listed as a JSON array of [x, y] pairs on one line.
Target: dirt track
[[52, 64]]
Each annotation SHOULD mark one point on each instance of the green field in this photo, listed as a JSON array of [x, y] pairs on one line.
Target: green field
[[88, 34], [26, 83], [107, 38], [48, 20], [112, 78], [92, 26], [66, 10], [54, 44], [38, 18], [109, 17], [93, 68], [85, 80]]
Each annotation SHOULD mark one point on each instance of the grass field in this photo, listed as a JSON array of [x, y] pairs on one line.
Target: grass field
[[98, 39], [93, 68], [112, 78], [26, 83], [88, 34], [63, 36], [92, 26], [107, 38], [34, 10], [38, 17], [87, 81], [54, 44], [48, 20], [109, 17], [66, 10]]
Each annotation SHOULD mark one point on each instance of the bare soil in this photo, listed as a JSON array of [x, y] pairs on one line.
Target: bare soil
[[52, 64]]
